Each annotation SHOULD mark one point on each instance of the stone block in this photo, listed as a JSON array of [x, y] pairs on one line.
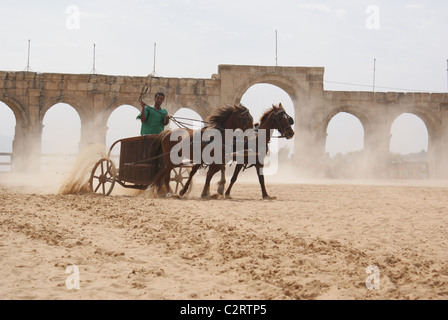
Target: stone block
[[187, 90], [391, 96], [438, 97], [365, 96], [344, 96], [51, 86], [399, 97], [422, 97], [408, 97]]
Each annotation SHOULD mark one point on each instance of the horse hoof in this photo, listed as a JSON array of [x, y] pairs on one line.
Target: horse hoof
[[221, 189], [182, 192], [269, 198], [228, 197]]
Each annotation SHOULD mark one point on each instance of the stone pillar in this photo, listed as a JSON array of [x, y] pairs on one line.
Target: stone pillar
[[93, 122], [20, 147], [30, 149], [435, 157], [227, 85], [310, 137], [92, 132], [377, 149], [438, 149]]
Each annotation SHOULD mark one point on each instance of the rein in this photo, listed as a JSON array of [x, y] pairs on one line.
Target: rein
[[274, 117], [182, 124]]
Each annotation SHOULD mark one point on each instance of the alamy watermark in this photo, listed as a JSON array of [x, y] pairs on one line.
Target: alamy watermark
[[373, 280], [373, 18], [73, 18], [73, 280]]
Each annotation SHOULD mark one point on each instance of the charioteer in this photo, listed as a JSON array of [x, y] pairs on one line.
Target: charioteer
[[154, 118]]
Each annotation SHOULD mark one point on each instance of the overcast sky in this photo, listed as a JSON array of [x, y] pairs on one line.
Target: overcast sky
[[408, 39]]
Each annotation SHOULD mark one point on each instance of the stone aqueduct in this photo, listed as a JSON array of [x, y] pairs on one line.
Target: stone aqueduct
[[95, 97]]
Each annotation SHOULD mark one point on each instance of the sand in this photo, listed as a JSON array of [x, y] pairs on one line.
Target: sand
[[315, 241]]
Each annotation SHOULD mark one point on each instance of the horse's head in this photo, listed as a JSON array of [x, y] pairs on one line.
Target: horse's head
[[279, 120], [244, 119], [236, 117]]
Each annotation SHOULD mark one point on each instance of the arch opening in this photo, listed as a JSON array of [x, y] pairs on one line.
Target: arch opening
[[122, 123], [344, 147], [7, 132], [61, 135], [409, 146], [188, 117], [259, 98]]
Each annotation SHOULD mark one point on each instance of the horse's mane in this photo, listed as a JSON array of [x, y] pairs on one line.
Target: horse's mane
[[266, 114], [221, 114]]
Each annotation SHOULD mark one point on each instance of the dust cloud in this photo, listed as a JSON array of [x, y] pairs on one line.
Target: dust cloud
[[78, 179], [66, 175]]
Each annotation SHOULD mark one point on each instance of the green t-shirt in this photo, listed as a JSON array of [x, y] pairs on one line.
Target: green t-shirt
[[154, 120]]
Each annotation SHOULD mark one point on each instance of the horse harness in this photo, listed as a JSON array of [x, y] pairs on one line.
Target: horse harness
[[276, 118]]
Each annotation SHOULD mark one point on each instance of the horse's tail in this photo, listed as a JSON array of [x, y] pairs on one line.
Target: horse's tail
[[157, 161]]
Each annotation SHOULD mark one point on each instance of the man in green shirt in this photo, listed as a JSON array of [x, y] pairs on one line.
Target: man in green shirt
[[154, 118]]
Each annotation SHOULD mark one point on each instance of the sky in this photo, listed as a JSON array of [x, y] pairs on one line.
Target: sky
[[408, 39]]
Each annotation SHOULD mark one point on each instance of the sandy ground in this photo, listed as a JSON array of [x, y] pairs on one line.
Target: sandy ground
[[315, 241]]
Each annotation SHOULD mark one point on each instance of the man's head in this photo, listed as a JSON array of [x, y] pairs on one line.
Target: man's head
[[159, 98]]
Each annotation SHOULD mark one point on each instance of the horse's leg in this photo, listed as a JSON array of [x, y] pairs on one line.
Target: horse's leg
[[193, 171], [222, 182], [163, 177], [166, 180], [259, 168], [156, 183], [212, 169], [238, 168]]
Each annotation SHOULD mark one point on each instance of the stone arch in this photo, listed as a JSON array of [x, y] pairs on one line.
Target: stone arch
[[350, 109], [202, 109], [74, 121], [354, 111], [80, 105], [170, 107], [125, 127], [431, 120], [408, 134], [285, 83], [118, 103], [19, 111], [289, 85], [347, 109], [433, 124], [191, 114]]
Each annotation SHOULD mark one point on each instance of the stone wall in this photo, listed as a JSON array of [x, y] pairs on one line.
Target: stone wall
[[30, 95]]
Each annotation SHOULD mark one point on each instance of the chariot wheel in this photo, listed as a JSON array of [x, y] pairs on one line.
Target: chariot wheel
[[102, 178], [178, 179]]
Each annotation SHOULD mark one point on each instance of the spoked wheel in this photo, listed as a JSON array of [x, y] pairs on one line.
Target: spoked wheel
[[102, 178], [178, 179]]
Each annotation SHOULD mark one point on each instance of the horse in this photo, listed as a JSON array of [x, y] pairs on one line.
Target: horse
[[274, 118], [222, 118]]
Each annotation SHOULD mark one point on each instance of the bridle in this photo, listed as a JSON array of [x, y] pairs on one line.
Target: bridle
[[276, 118], [243, 118]]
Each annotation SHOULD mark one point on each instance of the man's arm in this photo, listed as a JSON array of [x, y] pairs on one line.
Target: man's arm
[[167, 120], [143, 116]]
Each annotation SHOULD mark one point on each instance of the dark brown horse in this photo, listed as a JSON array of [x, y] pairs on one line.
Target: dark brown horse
[[222, 118], [274, 118]]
